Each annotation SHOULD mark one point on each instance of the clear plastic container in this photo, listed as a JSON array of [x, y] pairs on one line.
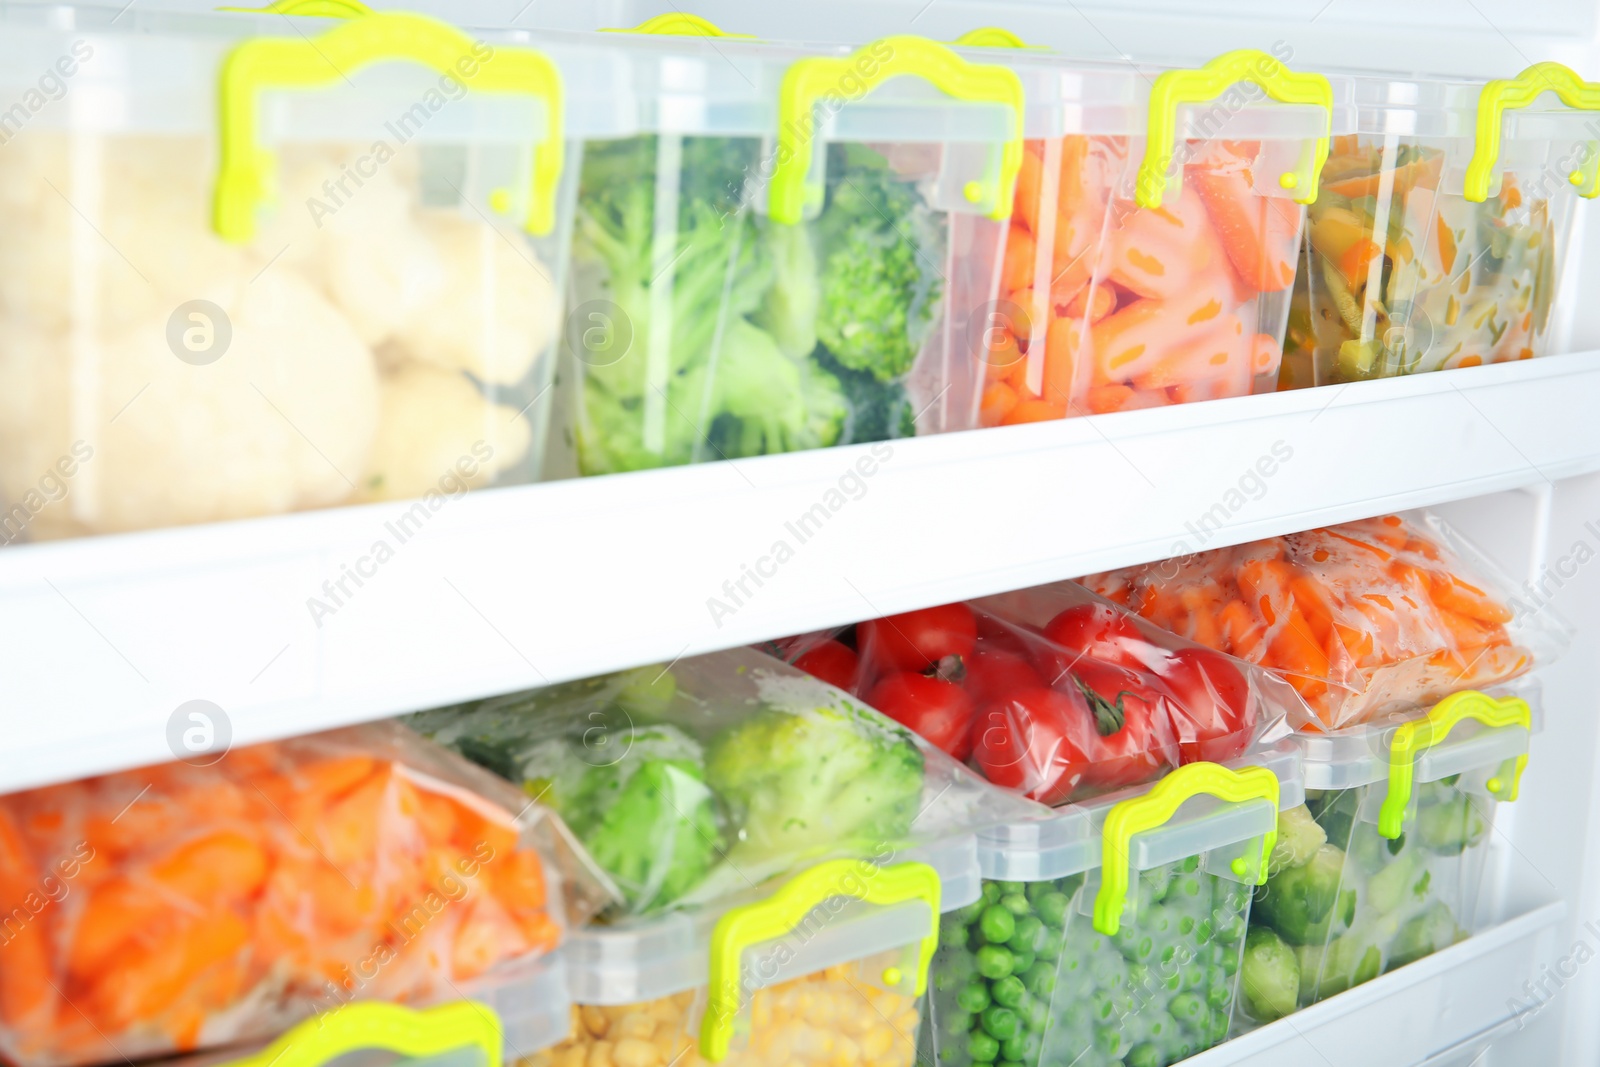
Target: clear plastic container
[[1385, 864], [259, 265], [780, 249], [1114, 933], [1155, 231], [1439, 230], [826, 969]]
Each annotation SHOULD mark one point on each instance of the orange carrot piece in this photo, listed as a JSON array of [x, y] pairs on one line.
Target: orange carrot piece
[[999, 400], [1017, 271], [220, 867], [1034, 411], [1260, 234]]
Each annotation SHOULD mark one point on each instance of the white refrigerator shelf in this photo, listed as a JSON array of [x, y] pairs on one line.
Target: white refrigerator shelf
[[307, 621]]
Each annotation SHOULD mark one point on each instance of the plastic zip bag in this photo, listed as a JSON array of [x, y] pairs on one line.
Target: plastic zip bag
[[178, 907], [1368, 618]]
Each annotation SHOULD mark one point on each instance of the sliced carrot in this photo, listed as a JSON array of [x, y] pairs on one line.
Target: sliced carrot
[[1025, 206], [1261, 234], [1092, 303], [1017, 271], [143, 980], [27, 995], [1424, 172], [1221, 353], [998, 401], [1241, 630], [1162, 252], [1446, 237], [1317, 607], [1034, 411], [1452, 593], [118, 911], [1106, 398], [218, 868], [1357, 259]]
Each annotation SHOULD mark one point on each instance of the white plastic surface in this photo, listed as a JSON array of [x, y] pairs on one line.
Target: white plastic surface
[[506, 589]]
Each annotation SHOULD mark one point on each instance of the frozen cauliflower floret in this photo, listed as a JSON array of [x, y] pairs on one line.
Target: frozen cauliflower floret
[[437, 432], [100, 229], [461, 295], [284, 419]]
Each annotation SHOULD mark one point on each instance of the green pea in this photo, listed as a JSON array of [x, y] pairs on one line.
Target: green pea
[[991, 892], [1007, 1063], [1013, 887], [994, 961], [1186, 925], [956, 1023], [1052, 907], [1188, 1009], [1218, 1030], [998, 924], [1145, 1055], [1024, 1048], [1111, 1042], [1017, 904], [1187, 886], [1194, 976], [1230, 964], [970, 913], [1219, 994], [1040, 979], [1232, 931], [1190, 865], [1008, 991], [973, 997], [1035, 1014], [1051, 944], [1029, 935], [981, 1047], [944, 981], [953, 935], [1000, 1023], [1021, 961]]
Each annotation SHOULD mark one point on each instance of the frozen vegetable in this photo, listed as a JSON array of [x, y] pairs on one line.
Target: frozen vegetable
[[1129, 307], [734, 335], [715, 774], [1298, 900], [1269, 976], [1052, 692], [1299, 838], [1022, 977], [1402, 276], [1370, 617], [332, 324], [210, 905], [830, 1019]]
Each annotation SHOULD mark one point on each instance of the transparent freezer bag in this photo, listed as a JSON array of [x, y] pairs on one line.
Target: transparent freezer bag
[[1113, 934], [797, 259], [279, 274], [704, 779], [1433, 244], [1130, 284], [1385, 863], [828, 969], [1364, 619], [181, 907]]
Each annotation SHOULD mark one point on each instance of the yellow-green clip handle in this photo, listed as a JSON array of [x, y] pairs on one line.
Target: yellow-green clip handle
[[246, 178], [809, 80], [1155, 808], [780, 913], [1415, 737], [322, 9], [992, 37], [1174, 87], [375, 1024], [1500, 94], [678, 24]]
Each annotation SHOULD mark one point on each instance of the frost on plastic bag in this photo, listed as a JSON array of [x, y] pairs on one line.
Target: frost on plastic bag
[[715, 774], [1052, 692], [1365, 619], [368, 344], [176, 907]]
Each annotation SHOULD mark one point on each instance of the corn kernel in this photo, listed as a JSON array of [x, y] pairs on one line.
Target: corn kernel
[[595, 1020], [635, 1052], [635, 1024], [599, 1054]]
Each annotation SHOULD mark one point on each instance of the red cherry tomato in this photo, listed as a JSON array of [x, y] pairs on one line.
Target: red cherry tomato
[[1131, 740], [1213, 714], [1029, 742], [918, 639], [831, 661], [1103, 633], [993, 673], [940, 711]]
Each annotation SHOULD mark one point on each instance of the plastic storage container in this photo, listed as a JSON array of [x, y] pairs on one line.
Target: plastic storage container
[[257, 266], [1387, 864], [780, 249], [1113, 933], [1438, 233], [1155, 231], [511, 1021], [826, 969], [196, 905]]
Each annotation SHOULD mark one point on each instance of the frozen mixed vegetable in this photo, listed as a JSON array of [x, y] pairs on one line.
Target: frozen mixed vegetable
[[175, 907], [1052, 692], [711, 776], [1365, 618], [1113, 306], [724, 334], [1403, 276]]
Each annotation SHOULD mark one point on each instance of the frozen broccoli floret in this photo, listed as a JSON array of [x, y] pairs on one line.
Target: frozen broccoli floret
[[1335, 812], [1269, 976], [1331, 969], [1299, 837], [1387, 889], [1423, 935], [1450, 827], [801, 781], [789, 310], [1298, 902]]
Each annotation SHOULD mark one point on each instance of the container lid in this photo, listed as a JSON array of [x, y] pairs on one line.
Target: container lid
[[1364, 755], [646, 959], [1071, 842]]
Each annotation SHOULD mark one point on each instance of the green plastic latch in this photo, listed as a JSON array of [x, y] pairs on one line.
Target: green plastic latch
[[1416, 737], [1499, 95]]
